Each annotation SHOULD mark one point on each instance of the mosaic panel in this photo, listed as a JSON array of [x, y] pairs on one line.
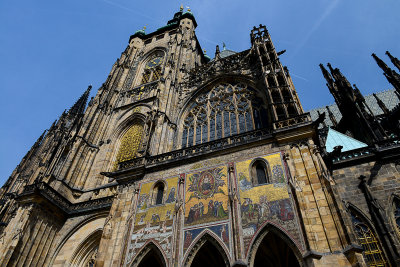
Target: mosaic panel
[[153, 221], [266, 202], [221, 230], [206, 196]]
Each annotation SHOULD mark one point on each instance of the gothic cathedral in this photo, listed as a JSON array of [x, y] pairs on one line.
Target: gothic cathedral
[[184, 160]]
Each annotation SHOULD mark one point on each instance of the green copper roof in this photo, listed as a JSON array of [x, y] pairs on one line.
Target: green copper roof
[[338, 139]]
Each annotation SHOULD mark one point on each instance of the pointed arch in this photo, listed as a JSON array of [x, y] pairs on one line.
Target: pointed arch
[[260, 171], [150, 255], [74, 238], [158, 192], [223, 107], [152, 65], [273, 247], [207, 250], [86, 252], [394, 213], [367, 237]]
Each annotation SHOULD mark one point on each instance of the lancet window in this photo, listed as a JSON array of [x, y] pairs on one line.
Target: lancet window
[[130, 143], [152, 69], [259, 173], [158, 193], [373, 253], [227, 109]]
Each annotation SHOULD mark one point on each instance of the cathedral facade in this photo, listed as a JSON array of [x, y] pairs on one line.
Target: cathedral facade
[[180, 160]]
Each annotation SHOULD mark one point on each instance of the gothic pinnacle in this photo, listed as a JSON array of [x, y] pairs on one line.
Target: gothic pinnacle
[[80, 105], [381, 104], [394, 60], [380, 63], [326, 74]]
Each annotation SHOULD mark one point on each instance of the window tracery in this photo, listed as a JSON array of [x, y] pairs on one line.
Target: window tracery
[[226, 110], [152, 69], [373, 253], [130, 143]]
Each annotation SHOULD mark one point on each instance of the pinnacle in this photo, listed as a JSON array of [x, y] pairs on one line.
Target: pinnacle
[[80, 105]]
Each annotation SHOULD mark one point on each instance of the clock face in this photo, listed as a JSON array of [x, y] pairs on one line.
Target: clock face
[[154, 62]]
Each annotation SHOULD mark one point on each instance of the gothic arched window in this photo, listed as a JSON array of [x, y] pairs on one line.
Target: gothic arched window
[[227, 109], [130, 143], [152, 69], [373, 253], [158, 193], [259, 173]]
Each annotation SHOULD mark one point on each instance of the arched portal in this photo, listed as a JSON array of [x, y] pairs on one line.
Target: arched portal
[[274, 252], [273, 248], [207, 252], [152, 259], [150, 256], [208, 255]]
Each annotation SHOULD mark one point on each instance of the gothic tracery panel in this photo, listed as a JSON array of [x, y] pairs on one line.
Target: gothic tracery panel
[[373, 253], [226, 110], [130, 143], [152, 68]]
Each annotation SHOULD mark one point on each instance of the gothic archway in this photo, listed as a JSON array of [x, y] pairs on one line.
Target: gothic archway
[[272, 248], [150, 255], [207, 252], [85, 254]]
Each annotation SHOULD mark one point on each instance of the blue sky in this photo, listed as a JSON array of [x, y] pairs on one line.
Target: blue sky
[[50, 51]]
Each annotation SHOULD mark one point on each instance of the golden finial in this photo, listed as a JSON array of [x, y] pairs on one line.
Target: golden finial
[[188, 9], [181, 8], [144, 27], [204, 51]]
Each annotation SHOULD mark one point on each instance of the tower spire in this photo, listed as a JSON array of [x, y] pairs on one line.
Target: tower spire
[[79, 106], [392, 76], [394, 60], [381, 104]]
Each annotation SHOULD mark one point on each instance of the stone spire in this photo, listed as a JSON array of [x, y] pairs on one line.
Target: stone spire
[[80, 105], [381, 104], [394, 60], [356, 115], [331, 117], [392, 76]]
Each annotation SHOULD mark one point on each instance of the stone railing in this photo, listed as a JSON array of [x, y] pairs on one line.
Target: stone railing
[[353, 154], [303, 118], [142, 91], [197, 150]]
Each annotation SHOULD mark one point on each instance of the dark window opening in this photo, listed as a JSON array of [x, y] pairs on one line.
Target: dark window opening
[[271, 81], [259, 173], [281, 80], [280, 112], [291, 111], [286, 96], [276, 96], [160, 194]]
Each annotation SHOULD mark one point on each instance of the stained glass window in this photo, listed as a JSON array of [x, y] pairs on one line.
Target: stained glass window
[[373, 253], [226, 110]]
